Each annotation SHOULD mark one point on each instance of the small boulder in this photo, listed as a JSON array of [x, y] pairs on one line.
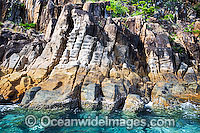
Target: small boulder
[[133, 103], [29, 95]]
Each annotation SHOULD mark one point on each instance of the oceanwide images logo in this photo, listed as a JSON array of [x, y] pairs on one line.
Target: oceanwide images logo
[[46, 121]]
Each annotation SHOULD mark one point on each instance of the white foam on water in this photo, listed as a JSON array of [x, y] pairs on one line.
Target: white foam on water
[[8, 107], [36, 128], [149, 105], [191, 111], [188, 105]]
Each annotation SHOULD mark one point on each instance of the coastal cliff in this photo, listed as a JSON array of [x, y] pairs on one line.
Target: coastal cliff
[[78, 56]]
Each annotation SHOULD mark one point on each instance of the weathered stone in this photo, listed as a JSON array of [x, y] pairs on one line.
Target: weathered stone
[[190, 75], [16, 76], [92, 61], [114, 94], [13, 61], [7, 90], [182, 70], [78, 1], [159, 93], [96, 9], [29, 95], [50, 29], [91, 97], [2, 51], [8, 86], [133, 103], [15, 14], [25, 81], [168, 94], [114, 73], [196, 28], [50, 56]]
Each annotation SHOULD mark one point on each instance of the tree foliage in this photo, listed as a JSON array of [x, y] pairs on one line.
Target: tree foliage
[[117, 8]]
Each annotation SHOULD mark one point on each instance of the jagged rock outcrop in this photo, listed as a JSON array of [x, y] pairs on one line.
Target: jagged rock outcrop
[[12, 10], [89, 56], [92, 61], [54, 49], [133, 103], [169, 62], [18, 51], [40, 12]]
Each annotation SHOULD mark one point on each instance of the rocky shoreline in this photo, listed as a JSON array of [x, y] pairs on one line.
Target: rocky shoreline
[[85, 59]]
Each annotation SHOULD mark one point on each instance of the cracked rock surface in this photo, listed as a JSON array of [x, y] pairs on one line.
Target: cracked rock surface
[[88, 61]]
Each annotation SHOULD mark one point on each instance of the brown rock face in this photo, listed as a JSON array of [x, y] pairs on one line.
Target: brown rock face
[[54, 49], [86, 58], [197, 28], [11, 10], [40, 12], [169, 94], [9, 85], [133, 103], [91, 61]]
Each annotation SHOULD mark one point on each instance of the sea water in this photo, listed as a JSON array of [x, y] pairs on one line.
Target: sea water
[[187, 120]]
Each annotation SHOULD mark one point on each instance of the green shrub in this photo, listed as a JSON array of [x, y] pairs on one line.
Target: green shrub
[[28, 26], [178, 49], [137, 13], [130, 2], [117, 8], [144, 8], [196, 31], [22, 5], [172, 37], [92, 0], [190, 28], [169, 17], [1, 24]]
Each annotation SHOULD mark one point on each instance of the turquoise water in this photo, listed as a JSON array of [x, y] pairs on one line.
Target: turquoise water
[[186, 119]]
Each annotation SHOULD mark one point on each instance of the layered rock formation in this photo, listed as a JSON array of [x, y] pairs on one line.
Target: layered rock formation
[[96, 67], [18, 51], [91, 61]]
